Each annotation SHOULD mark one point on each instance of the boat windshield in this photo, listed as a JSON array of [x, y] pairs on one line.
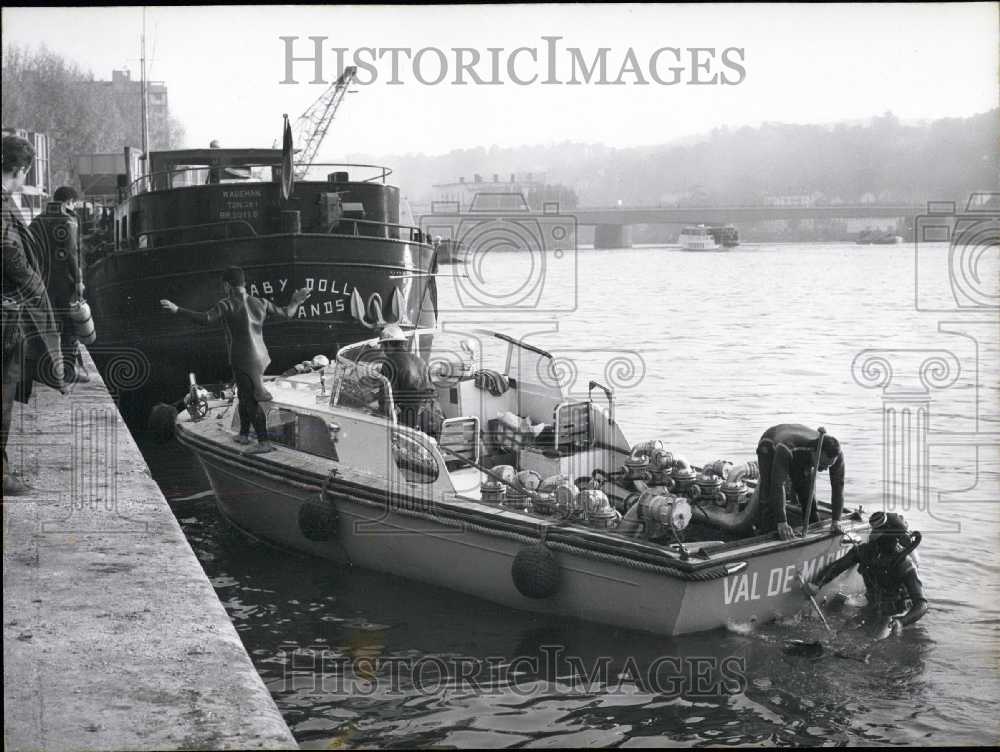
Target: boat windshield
[[456, 353]]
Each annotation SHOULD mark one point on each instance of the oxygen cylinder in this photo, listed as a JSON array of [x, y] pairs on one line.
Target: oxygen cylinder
[[83, 322]]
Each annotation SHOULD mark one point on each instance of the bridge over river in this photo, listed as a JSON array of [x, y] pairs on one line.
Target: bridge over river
[[612, 223]]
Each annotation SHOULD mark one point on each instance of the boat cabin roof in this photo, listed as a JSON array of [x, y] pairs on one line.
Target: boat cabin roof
[[167, 160]]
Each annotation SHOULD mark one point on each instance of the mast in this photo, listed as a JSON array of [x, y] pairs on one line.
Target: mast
[[142, 94]]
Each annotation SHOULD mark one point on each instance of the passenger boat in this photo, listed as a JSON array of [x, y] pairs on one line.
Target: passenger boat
[[529, 497], [450, 251], [725, 235], [878, 237], [698, 238], [199, 211]]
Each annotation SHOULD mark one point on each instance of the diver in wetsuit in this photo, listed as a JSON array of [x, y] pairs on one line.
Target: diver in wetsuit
[[892, 585], [413, 392], [787, 452]]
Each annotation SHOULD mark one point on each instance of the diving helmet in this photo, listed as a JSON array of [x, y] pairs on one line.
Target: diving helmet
[[887, 528]]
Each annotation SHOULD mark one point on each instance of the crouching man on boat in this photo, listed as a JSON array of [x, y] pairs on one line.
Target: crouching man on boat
[[412, 389], [243, 317], [889, 569], [788, 452]]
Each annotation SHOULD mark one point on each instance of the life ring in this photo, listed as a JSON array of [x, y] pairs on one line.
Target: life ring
[[535, 572]]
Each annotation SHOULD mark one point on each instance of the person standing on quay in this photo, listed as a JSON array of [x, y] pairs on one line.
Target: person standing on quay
[[243, 316], [30, 342], [57, 237]]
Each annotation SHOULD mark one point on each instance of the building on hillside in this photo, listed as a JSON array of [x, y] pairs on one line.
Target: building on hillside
[[462, 193], [793, 200], [128, 92]]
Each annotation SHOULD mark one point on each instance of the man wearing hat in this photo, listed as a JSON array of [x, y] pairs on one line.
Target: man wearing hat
[[888, 568], [413, 392], [57, 236], [243, 317]]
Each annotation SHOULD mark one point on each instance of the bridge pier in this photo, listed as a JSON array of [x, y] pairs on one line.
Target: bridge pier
[[612, 236]]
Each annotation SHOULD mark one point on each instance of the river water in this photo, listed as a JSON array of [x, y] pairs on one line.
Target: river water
[[721, 346]]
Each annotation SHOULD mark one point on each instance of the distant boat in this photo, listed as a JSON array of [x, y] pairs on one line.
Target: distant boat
[[725, 235], [698, 238], [878, 237], [450, 251]]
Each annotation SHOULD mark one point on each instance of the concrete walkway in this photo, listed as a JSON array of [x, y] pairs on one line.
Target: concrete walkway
[[113, 635]]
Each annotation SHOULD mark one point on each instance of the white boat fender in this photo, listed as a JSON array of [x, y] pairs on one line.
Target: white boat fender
[[161, 421], [535, 572], [83, 321]]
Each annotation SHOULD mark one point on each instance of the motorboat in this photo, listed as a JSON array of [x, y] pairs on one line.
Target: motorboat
[[725, 235], [698, 238], [529, 495], [878, 237]]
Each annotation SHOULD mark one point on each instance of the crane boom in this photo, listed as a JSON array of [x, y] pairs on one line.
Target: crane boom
[[311, 127]]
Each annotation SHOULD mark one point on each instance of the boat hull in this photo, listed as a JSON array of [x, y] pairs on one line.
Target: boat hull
[[413, 538], [142, 347]]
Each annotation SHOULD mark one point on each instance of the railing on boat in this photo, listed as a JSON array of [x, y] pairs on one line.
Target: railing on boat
[[181, 228], [164, 179], [416, 234], [390, 230]]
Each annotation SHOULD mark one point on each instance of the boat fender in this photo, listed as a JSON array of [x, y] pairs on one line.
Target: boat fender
[[535, 572], [161, 422], [83, 321], [317, 523]]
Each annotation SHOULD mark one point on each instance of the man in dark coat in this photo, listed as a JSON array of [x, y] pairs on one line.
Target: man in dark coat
[[787, 453], [57, 237], [30, 339], [243, 316]]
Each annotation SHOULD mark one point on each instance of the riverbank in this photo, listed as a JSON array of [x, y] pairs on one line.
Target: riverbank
[[113, 635]]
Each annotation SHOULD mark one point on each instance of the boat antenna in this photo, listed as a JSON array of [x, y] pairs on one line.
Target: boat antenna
[[142, 94]]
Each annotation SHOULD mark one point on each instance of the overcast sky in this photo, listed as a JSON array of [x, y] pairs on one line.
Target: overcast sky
[[810, 63]]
